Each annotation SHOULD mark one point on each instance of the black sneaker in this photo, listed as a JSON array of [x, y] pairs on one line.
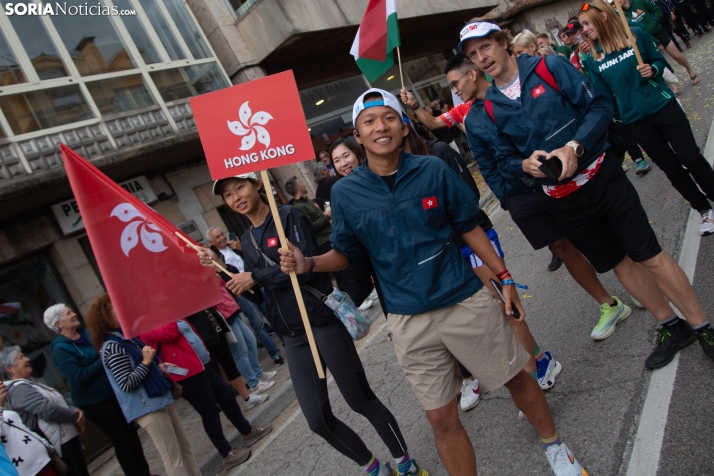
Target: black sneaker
[[278, 361], [670, 341], [706, 340], [555, 263]]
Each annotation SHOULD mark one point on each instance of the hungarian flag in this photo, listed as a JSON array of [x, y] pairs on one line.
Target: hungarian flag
[[151, 276], [376, 39]]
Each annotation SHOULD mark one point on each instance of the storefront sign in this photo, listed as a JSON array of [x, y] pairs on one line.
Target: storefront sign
[[252, 126], [67, 212]]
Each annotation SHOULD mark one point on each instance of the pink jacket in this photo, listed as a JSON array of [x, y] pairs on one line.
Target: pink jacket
[[175, 349]]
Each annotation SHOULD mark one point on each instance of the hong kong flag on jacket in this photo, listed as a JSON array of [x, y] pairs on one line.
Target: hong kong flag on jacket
[[151, 276]]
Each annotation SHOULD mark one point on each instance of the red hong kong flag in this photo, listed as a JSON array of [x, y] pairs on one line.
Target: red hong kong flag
[[151, 276]]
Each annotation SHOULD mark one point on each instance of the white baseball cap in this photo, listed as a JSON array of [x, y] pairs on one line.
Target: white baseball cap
[[218, 184], [477, 29], [388, 99]]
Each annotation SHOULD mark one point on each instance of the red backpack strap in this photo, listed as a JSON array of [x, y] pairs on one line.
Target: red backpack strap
[[544, 73], [488, 104]]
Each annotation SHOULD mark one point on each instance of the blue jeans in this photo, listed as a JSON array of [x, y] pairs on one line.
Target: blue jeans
[[245, 352], [256, 322]]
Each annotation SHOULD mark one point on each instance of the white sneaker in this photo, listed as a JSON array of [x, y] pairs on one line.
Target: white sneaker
[[365, 305], [255, 400], [268, 376], [261, 387], [562, 461], [548, 369], [707, 226], [470, 394]]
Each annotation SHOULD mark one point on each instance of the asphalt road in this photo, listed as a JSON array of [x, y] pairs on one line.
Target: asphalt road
[[598, 400]]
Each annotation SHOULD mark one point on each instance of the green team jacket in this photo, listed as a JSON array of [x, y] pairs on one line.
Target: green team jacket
[[646, 12], [321, 226], [637, 98]]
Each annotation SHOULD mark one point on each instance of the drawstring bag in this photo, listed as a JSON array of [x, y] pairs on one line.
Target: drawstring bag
[[340, 303]]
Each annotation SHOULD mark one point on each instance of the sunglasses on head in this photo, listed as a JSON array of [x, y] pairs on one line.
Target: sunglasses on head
[[587, 6]]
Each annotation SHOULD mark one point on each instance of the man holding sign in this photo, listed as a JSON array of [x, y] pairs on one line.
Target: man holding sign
[[268, 129], [404, 210]]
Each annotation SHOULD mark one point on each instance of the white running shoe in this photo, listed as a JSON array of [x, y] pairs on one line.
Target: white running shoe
[[470, 394], [255, 400], [562, 461], [548, 370], [707, 226], [261, 387], [365, 305], [268, 376]]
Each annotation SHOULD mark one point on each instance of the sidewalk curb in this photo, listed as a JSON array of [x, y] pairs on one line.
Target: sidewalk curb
[[265, 414]]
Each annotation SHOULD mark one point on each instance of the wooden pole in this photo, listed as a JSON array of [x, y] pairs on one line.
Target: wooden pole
[[293, 277], [399, 60], [215, 263], [628, 32]]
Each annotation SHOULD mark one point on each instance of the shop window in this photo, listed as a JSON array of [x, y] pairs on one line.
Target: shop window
[[182, 83], [188, 28], [162, 29], [38, 46], [122, 94], [10, 71], [92, 42], [36, 110], [138, 34]]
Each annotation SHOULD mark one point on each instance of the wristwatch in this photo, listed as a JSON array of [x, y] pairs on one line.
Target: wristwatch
[[579, 149]]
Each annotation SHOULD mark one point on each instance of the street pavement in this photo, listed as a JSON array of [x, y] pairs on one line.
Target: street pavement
[[598, 400]]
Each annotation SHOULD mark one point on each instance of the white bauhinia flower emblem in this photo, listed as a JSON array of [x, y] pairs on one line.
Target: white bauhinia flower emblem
[[251, 127], [136, 229]]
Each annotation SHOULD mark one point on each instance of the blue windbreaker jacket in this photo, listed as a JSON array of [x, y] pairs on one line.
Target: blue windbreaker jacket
[[408, 231], [546, 119], [487, 148]]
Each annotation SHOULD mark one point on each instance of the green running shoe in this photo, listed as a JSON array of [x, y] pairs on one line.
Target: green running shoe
[[609, 317], [642, 167]]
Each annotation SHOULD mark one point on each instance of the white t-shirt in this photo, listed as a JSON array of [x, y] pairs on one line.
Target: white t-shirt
[[232, 258]]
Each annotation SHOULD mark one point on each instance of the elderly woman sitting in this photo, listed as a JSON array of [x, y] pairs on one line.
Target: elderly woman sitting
[[44, 410], [90, 388]]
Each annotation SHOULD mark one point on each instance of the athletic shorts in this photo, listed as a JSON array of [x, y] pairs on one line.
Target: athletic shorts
[[663, 38], [474, 260], [605, 220], [530, 213], [474, 332]]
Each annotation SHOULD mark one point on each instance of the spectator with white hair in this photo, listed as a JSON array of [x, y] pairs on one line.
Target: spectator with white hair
[[525, 42], [90, 388], [43, 410]]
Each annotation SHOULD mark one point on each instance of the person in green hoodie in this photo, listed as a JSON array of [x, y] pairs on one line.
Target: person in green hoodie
[[90, 388], [648, 13], [648, 108]]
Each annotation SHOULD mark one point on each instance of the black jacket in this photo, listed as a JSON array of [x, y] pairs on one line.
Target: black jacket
[[284, 315]]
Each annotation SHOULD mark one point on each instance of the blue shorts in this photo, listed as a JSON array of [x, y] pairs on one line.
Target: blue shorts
[[471, 257]]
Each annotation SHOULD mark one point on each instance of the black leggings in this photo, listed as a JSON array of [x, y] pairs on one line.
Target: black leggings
[[670, 127], [73, 457], [109, 418], [221, 354], [338, 353], [205, 391]]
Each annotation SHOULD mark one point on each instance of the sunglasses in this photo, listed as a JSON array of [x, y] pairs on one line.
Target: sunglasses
[[587, 6]]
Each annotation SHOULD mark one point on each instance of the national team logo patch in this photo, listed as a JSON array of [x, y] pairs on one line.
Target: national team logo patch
[[272, 242], [429, 203], [538, 91]]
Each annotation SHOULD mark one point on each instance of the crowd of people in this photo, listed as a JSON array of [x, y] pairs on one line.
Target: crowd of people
[[396, 218]]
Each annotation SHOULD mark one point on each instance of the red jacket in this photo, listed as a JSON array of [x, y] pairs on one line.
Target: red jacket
[[175, 349]]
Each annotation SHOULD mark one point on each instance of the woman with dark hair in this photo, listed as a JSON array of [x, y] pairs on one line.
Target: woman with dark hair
[[141, 387], [345, 154], [260, 252]]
